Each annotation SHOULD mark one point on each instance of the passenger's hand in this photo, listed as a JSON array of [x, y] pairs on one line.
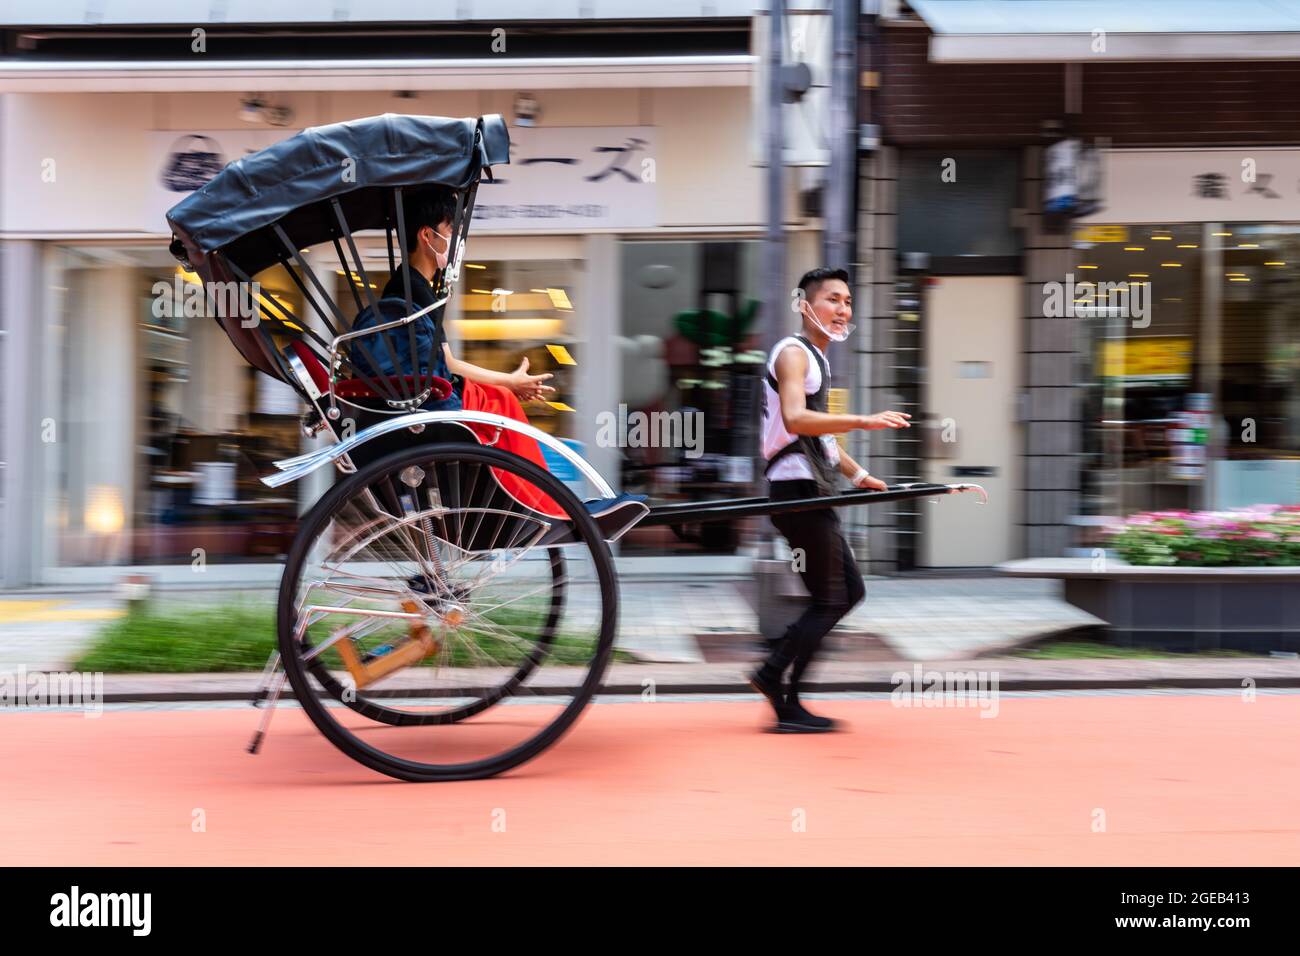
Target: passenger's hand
[[528, 387], [887, 420]]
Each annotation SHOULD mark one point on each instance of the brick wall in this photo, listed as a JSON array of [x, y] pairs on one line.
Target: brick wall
[[1135, 104]]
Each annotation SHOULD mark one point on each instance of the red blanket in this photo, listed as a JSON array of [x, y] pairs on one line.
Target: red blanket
[[501, 401]]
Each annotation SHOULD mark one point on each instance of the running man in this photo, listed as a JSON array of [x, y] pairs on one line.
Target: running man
[[802, 460]]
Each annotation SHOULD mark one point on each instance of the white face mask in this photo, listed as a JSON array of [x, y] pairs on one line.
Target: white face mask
[[833, 336], [440, 257]]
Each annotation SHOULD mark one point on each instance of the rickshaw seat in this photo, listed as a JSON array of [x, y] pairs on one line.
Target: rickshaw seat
[[356, 388]]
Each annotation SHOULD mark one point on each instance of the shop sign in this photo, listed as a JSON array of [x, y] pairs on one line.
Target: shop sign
[[1248, 184], [1156, 358], [558, 179], [1096, 234], [573, 179]]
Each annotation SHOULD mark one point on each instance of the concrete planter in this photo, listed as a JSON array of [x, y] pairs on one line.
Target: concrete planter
[[1180, 609]]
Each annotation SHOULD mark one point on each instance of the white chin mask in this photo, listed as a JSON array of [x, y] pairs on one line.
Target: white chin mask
[[833, 336]]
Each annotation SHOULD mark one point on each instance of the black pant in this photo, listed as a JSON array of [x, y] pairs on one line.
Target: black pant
[[829, 571]]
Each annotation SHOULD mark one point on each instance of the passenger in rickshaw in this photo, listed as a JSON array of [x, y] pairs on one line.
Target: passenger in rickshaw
[[428, 238], [429, 215]]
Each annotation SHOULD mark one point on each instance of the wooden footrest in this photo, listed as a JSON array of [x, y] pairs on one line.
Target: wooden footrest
[[418, 645]]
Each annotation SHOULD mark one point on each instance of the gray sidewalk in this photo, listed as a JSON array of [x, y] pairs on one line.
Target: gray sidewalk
[[915, 619], [948, 624]]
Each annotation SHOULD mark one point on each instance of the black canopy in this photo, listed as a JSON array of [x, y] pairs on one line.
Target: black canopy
[[293, 182]]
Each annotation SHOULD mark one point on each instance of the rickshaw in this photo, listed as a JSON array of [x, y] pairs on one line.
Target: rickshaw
[[448, 606]]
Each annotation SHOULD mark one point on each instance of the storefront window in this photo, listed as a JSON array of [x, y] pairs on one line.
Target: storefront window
[[689, 342], [1259, 365], [1137, 291], [165, 431], [1190, 339]]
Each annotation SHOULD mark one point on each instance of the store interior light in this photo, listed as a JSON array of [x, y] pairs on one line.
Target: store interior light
[[1171, 265], [1238, 279], [474, 265], [1235, 275], [1139, 275], [1086, 267], [1220, 233], [1188, 245], [1248, 245], [523, 328], [1164, 238], [1135, 248], [104, 510], [1275, 263]]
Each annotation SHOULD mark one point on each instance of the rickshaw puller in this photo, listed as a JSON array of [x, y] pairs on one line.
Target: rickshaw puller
[[802, 459]]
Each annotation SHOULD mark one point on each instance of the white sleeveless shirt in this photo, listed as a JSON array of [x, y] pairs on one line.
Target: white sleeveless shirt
[[793, 466]]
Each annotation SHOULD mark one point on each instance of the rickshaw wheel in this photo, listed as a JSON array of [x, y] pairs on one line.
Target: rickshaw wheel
[[372, 707], [424, 557]]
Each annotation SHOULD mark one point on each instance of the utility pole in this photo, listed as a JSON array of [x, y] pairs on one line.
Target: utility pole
[[776, 313], [839, 205]]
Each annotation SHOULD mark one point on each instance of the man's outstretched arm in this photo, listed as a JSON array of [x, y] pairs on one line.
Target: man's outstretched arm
[[799, 419]]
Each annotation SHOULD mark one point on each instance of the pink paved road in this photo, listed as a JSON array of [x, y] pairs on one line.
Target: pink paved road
[[1181, 780]]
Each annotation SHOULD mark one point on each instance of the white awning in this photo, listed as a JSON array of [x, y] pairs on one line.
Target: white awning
[[1018, 31], [20, 76], [90, 13]]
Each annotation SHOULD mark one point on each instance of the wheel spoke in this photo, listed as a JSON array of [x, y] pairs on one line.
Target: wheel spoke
[[433, 533]]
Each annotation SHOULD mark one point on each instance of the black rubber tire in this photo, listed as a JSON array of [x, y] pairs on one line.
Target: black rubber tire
[[585, 531]]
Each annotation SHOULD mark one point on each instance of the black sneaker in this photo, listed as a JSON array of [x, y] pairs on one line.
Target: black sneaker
[[795, 720]]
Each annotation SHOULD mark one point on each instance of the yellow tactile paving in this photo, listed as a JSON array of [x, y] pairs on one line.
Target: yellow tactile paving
[[20, 612]]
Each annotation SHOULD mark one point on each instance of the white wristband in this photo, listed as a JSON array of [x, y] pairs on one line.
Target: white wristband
[[862, 473]]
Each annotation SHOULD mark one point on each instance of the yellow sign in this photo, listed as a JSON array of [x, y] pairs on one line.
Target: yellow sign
[[561, 354], [1101, 234], [1163, 356]]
